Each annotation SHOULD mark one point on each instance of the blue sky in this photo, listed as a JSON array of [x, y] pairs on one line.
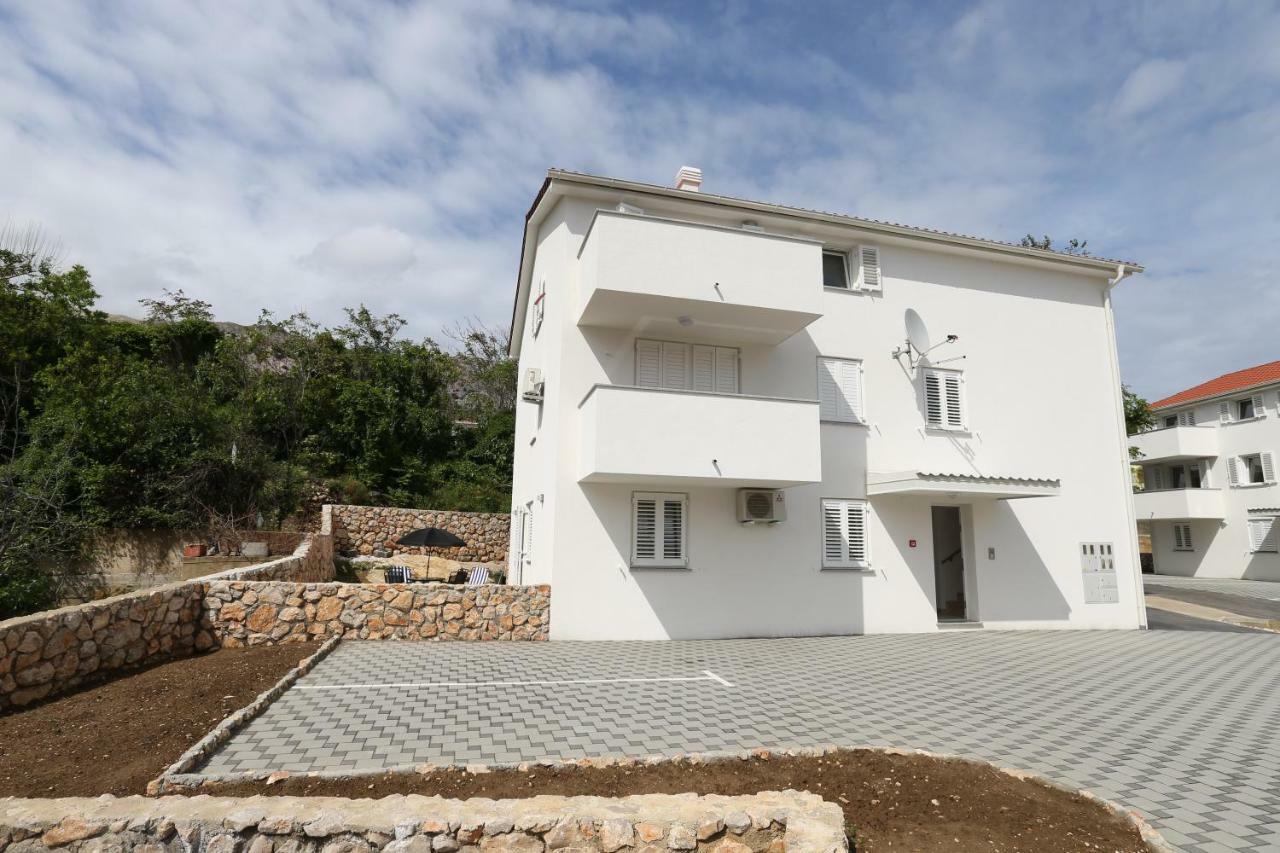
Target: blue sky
[[302, 155]]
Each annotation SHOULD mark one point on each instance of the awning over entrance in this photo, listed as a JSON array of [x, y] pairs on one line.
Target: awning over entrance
[[960, 486]]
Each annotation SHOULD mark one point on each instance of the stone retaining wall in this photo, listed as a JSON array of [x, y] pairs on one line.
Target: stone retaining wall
[[49, 652], [252, 613], [364, 529], [773, 821]]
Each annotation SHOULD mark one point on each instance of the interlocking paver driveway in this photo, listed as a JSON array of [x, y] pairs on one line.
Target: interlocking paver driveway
[[1266, 590], [1180, 725]]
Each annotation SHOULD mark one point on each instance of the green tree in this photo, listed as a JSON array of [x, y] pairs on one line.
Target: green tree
[[1138, 416]]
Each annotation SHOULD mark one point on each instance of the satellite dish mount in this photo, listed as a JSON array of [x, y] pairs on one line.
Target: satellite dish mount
[[918, 345]]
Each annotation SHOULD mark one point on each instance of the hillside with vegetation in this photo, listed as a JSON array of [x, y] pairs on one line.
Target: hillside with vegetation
[[180, 422]]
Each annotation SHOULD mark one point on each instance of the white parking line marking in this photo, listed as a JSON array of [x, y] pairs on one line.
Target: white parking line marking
[[707, 675], [715, 677]]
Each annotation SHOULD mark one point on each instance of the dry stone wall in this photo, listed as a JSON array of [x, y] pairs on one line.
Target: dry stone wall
[[365, 529], [770, 822], [47, 653], [243, 613]]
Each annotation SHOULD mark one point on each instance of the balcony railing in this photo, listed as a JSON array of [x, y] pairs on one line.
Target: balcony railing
[[1182, 442], [1178, 504], [659, 436], [722, 284]]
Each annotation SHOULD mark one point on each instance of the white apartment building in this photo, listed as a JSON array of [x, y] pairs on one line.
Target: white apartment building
[[1209, 475], [725, 432]]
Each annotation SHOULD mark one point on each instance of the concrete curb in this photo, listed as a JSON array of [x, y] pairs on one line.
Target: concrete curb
[[177, 776], [193, 782]]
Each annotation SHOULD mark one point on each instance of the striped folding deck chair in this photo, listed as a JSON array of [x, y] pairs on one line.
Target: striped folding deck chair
[[398, 574], [479, 576]]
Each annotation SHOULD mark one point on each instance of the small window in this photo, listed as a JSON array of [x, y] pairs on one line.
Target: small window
[[1244, 409], [1171, 421], [840, 390], [835, 270], [1253, 472], [1262, 534], [539, 306], [659, 530], [845, 533], [1187, 418], [944, 399], [1182, 537]]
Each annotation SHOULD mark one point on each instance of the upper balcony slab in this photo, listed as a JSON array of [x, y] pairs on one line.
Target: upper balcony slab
[[659, 276], [1183, 442]]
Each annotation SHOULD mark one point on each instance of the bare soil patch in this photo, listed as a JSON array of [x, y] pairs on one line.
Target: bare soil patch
[[115, 737], [890, 802]]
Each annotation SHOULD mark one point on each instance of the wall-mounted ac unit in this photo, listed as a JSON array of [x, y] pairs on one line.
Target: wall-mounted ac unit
[[532, 388], [762, 506]]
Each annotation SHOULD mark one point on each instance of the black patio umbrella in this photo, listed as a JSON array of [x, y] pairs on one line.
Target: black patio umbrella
[[430, 537]]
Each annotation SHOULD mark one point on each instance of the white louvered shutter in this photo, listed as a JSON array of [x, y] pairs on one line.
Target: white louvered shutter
[[675, 365], [1187, 418], [1177, 537], [539, 306], [1268, 467], [844, 534], [704, 368], [648, 364], [955, 408], [515, 539], [726, 370], [869, 258], [715, 369], [1182, 537], [934, 405], [659, 530], [527, 546], [1262, 534], [1233, 471], [1259, 408], [1224, 412], [840, 390]]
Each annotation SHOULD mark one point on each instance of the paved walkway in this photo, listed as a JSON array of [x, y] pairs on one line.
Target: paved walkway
[[1181, 725], [1266, 590]]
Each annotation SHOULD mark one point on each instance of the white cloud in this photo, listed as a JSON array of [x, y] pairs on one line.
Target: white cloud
[[368, 253], [1150, 84]]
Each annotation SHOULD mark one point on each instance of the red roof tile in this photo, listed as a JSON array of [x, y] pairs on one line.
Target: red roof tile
[[1263, 374]]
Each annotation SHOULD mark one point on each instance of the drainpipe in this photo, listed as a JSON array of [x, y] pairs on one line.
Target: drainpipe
[[1131, 515]]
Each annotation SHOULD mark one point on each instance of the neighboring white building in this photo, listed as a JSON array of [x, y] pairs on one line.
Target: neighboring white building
[[1209, 470], [691, 346]]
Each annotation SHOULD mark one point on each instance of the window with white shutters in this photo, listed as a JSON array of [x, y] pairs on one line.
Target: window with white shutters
[[659, 530], [1187, 418], [944, 399], [845, 530], [539, 306], [515, 540], [1182, 537], [840, 390], [1262, 534], [526, 545], [835, 270], [696, 367], [1252, 469]]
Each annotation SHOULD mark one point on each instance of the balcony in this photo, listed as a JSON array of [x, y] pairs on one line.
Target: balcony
[[661, 437], [1183, 442], [1178, 504], [661, 277]]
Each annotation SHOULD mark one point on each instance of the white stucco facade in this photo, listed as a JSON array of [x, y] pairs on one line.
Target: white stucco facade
[[1205, 520], [1037, 467]]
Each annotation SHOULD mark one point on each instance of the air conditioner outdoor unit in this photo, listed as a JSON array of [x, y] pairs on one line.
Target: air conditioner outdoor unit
[[762, 506], [533, 387]]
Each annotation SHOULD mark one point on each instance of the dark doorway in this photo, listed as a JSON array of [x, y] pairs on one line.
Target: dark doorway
[[948, 564]]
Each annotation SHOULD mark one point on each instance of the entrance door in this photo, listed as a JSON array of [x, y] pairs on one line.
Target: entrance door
[[948, 564]]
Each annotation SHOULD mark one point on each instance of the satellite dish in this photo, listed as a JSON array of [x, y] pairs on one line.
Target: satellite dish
[[917, 332]]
